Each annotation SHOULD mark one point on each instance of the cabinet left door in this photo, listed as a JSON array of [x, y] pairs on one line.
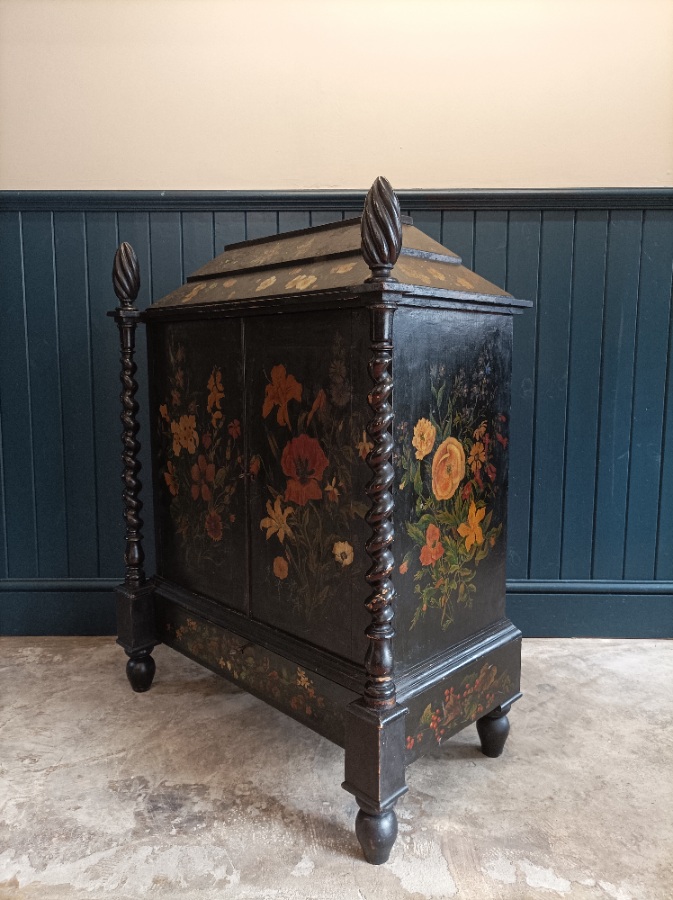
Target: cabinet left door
[[197, 411]]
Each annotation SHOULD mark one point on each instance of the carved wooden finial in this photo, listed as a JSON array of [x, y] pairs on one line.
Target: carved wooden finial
[[126, 274], [381, 230]]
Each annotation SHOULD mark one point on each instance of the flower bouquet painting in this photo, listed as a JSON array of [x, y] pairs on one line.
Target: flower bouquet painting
[[449, 460], [314, 441], [202, 458]]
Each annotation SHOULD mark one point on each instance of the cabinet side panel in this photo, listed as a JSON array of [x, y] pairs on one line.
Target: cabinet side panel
[[307, 382], [451, 400], [196, 421]]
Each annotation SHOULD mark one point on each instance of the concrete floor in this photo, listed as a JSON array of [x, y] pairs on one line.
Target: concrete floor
[[197, 790]]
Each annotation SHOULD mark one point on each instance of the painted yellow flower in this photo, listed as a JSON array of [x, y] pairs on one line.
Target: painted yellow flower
[[448, 468], [471, 530], [424, 437], [301, 282], [477, 456], [480, 431], [263, 285], [343, 553], [184, 435], [163, 412], [276, 521], [303, 681], [364, 446], [332, 491]]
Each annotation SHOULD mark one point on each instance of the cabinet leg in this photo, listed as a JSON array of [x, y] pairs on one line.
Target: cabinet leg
[[376, 832], [375, 775], [140, 670], [493, 729]]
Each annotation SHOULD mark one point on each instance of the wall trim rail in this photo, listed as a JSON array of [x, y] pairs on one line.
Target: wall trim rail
[[215, 201]]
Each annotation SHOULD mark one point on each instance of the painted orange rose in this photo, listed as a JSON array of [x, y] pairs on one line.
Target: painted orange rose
[[448, 468], [304, 462], [279, 392]]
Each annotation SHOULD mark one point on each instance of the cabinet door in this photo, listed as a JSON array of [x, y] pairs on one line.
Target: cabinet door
[[196, 409], [307, 410]]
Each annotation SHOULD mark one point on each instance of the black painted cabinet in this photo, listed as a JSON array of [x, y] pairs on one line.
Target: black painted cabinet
[[329, 415]]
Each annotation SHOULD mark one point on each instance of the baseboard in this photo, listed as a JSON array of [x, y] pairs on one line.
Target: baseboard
[[601, 609]]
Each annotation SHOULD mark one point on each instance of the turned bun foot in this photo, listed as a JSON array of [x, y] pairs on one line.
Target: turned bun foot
[[140, 670], [493, 730], [376, 833]]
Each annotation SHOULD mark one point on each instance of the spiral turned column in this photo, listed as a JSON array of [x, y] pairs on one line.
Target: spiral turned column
[[381, 229], [375, 727], [134, 597], [379, 692], [126, 281]]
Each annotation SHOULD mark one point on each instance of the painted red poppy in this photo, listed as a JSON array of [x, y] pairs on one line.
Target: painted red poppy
[[304, 463]]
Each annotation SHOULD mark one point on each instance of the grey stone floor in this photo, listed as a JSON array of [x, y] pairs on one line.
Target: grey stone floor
[[197, 790]]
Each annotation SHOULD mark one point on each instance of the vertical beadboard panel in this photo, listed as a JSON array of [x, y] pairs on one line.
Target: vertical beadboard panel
[[649, 386], [293, 220], [165, 252], [584, 367], [19, 546], [553, 320], [198, 239], [44, 364], [458, 233], [428, 221], [260, 224], [229, 229], [101, 243], [523, 260], [490, 245], [325, 216], [619, 333], [664, 558], [74, 337]]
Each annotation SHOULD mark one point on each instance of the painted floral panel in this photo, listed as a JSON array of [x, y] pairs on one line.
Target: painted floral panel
[[200, 464], [309, 447], [457, 705], [302, 694], [449, 460]]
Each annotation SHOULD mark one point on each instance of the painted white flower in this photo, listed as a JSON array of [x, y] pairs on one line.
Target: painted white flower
[[343, 553]]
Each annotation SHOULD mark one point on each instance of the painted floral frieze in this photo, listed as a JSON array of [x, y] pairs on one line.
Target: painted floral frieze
[[314, 441], [476, 695], [449, 459], [254, 668], [201, 457]]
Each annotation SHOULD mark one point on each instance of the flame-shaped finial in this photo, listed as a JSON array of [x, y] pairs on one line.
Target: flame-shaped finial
[[126, 274], [381, 230]]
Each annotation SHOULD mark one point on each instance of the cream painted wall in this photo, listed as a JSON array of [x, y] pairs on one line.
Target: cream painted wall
[[286, 94]]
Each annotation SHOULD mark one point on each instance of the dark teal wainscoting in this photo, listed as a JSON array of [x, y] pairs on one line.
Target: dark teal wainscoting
[[591, 503]]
